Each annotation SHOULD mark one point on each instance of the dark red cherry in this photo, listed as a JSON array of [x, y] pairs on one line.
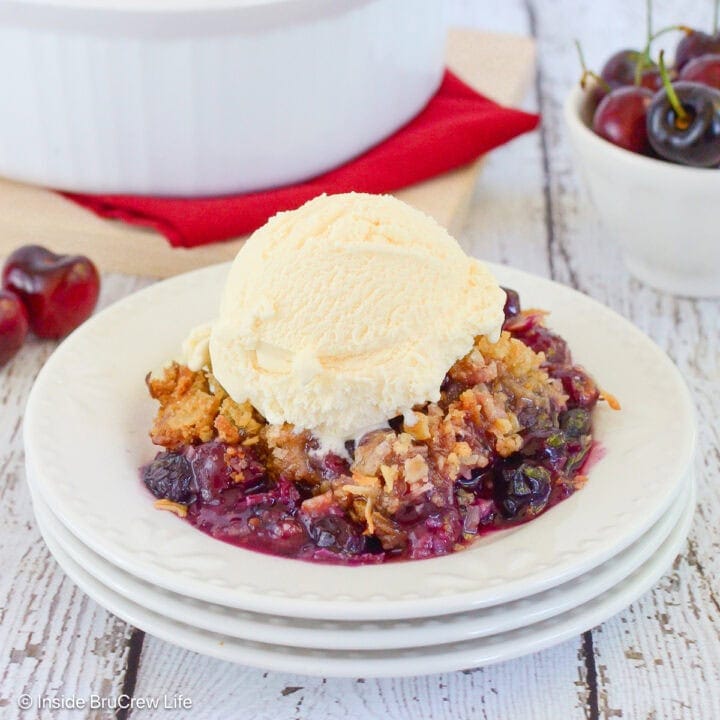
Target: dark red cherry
[[620, 68], [686, 131], [59, 291], [704, 70], [620, 118], [13, 325], [651, 79], [695, 44]]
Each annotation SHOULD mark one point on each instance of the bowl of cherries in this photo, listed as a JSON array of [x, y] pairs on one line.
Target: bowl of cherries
[[647, 134], [45, 294]]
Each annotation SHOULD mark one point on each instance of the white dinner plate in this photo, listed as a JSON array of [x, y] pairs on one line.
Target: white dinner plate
[[86, 434], [387, 663], [338, 635]]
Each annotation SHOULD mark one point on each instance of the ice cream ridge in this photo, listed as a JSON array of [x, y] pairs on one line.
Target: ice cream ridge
[[347, 312]]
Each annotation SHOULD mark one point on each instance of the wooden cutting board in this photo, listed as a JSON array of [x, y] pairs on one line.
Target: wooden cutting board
[[500, 66]]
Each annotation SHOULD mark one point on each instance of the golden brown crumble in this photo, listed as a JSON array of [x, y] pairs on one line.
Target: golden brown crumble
[[488, 398], [195, 409]]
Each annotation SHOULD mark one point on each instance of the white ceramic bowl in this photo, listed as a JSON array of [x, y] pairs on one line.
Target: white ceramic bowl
[[665, 216], [199, 97]]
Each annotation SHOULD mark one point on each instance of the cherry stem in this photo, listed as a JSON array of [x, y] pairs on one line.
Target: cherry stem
[[643, 60], [588, 73], [671, 28], [682, 116]]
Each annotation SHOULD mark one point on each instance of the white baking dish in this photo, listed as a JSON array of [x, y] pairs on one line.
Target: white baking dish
[[185, 97]]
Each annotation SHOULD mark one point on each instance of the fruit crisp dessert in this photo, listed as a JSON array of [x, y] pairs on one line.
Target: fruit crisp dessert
[[494, 441]]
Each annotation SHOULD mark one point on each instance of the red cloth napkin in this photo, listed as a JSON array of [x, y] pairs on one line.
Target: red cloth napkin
[[457, 126]]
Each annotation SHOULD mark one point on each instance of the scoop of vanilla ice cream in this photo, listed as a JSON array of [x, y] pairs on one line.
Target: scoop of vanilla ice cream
[[196, 347], [347, 312]]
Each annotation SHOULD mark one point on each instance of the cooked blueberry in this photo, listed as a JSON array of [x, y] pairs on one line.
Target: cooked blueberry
[[169, 476], [521, 490], [512, 303], [539, 419], [336, 534], [575, 422], [547, 449], [577, 449]]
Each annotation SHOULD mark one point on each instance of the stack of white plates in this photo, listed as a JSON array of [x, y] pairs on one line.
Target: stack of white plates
[[511, 593]]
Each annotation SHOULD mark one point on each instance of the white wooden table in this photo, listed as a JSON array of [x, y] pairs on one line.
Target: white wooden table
[[658, 659]]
